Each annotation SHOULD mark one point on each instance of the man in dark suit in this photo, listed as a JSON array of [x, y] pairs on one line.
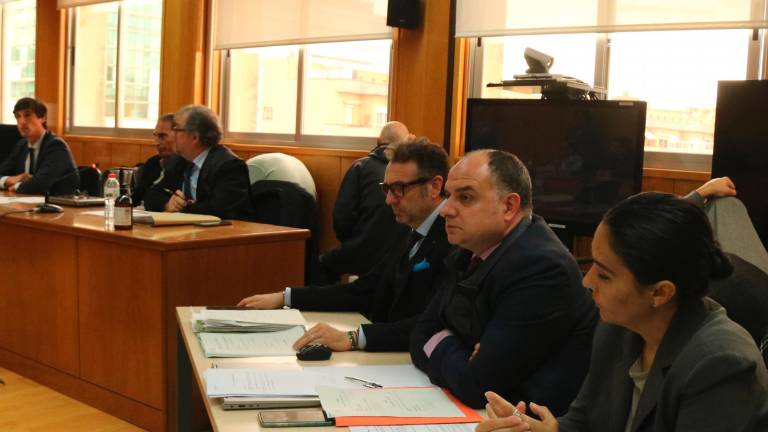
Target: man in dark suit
[[362, 220], [208, 178], [511, 315], [154, 168], [395, 292], [41, 161]]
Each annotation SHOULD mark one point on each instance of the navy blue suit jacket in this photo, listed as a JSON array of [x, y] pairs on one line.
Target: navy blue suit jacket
[[527, 308], [55, 170], [392, 295], [222, 186]]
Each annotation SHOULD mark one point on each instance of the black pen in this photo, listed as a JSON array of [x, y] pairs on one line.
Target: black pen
[[172, 193], [366, 383]]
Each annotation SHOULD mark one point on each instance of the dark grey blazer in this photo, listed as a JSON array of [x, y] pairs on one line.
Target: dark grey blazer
[[707, 376]]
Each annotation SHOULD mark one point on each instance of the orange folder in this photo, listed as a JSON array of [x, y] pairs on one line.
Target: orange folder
[[470, 416]]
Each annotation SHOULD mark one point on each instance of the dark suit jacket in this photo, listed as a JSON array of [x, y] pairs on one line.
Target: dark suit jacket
[[222, 186], [707, 376], [147, 174], [392, 295], [526, 307], [362, 220], [55, 169]]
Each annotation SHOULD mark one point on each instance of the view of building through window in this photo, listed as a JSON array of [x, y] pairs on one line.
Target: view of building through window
[[18, 23], [116, 74], [676, 72], [345, 89]]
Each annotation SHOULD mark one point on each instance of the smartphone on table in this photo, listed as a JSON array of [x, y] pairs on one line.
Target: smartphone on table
[[294, 418]]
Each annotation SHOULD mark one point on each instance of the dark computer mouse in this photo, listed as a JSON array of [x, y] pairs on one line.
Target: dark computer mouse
[[313, 352], [49, 208]]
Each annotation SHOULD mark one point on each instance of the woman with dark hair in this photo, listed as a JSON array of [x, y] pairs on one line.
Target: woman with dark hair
[[665, 358]]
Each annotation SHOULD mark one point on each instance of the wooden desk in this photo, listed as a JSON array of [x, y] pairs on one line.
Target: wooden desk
[[193, 362], [90, 313]]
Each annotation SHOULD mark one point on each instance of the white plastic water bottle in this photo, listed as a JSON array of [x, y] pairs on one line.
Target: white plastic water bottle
[[111, 192]]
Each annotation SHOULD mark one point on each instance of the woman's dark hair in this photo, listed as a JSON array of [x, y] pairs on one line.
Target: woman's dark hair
[[662, 237]]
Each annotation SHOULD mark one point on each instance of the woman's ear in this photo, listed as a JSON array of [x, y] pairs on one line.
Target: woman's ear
[[662, 293]]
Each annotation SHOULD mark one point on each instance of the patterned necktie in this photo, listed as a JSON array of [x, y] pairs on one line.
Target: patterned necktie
[[474, 263], [188, 181]]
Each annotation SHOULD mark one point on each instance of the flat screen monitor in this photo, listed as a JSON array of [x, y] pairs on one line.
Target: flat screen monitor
[[9, 135], [741, 145], [583, 156]]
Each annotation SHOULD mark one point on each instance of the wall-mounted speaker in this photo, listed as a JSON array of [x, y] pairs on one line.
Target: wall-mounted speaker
[[404, 13]]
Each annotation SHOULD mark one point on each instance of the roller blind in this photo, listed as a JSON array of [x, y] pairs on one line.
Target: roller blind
[[251, 23], [476, 18], [76, 3]]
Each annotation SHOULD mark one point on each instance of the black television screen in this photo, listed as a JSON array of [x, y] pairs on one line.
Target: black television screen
[[741, 145], [9, 135], [583, 156]]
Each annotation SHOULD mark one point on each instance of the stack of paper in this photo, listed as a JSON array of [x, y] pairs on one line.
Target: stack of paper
[[237, 321], [266, 381], [394, 406], [276, 343]]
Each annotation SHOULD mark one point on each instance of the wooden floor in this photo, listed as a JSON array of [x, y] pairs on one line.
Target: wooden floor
[[26, 406]]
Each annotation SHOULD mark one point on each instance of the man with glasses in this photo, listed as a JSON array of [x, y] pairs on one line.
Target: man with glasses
[[395, 291], [153, 169], [208, 178], [363, 223]]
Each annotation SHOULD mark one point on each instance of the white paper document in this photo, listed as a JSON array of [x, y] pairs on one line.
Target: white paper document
[[281, 381], [222, 382], [263, 344], [456, 427], [25, 200], [387, 402], [406, 375]]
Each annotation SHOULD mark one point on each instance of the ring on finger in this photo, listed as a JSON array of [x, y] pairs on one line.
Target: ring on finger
[[517, 413]]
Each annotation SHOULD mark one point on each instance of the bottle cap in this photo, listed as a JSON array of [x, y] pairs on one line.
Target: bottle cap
[[112, 175]]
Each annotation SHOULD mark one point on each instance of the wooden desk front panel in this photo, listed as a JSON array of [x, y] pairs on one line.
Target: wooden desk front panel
[[121, 319], [38, 296]]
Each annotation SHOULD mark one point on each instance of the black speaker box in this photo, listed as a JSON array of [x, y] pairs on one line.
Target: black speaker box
[[404, 13]]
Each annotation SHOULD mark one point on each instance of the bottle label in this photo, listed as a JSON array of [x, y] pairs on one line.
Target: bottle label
[[123, 216]]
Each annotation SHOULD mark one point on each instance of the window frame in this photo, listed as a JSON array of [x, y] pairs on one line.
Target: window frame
[[111, 131], [297, 139], [3, 70], [757, 53]]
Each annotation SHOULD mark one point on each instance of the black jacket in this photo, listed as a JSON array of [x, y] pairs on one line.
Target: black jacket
[[363, 222], [147, 174], [526, 307], [392, 295], [55, 170], [222, 186]]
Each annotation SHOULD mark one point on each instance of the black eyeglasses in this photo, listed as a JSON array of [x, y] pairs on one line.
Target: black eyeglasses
[[398, 188]]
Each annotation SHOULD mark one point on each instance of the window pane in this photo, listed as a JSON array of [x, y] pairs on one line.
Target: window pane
[[346, 88], [140, 63], [677, 74], [263, 90], [18, 54], [93, 95], [503, 59]]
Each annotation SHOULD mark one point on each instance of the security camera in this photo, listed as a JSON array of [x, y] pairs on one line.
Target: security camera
[[538, 62]]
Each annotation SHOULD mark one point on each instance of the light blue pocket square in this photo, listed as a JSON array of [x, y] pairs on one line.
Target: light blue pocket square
[[421, 265]]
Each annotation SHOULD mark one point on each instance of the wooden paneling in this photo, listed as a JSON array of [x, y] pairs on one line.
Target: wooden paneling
[[96, 152], [38, 296], [126, 155], [182, 67], [420, 72], [50, 33], [98, 323], [120, 313]]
